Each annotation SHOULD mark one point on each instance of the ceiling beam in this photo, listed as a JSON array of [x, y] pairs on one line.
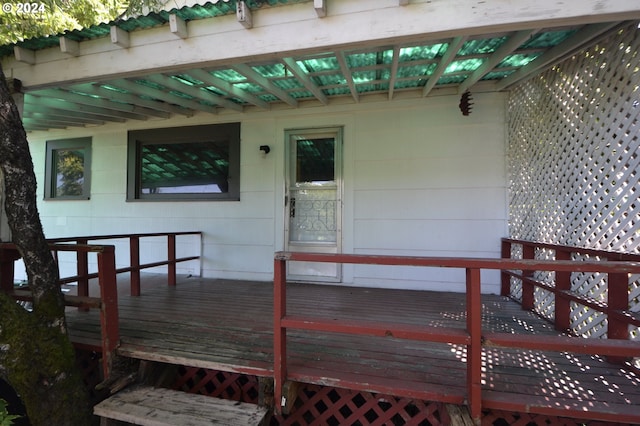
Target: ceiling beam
[[119, 37], [243, 14], [306, 81], [108, 115], [70, 47], [395, 62], [196, 92], [143, 90], [514, 41], [155, 108], [118, 110], [321, 8], [178, 26], [27, 56], [250, 74], [134, 112], [454, 46], [56, 112], [556, 53], [225, 86], [344, 67]]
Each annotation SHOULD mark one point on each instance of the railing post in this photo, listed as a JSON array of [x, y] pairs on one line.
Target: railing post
[[83, 271], [279, 333], [171, 257], [134, 258], [474, 349], [562, 311], [109, 307], [528, 252], [617, 300], [505, 279]]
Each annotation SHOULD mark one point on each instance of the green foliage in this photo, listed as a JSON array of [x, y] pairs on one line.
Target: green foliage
[[6, 419], [28, 18]]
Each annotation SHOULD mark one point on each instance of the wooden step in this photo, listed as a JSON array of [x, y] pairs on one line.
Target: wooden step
[[151, 406]]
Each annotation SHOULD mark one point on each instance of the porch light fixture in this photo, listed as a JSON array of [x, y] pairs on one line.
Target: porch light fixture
[[265, 148]]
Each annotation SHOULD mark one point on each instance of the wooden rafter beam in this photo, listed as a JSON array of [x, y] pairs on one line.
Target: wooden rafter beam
[[196, 92], [556, 53], [107, 115], [344, 67], [258, 79], [395, 62], [321, 8], [84, 102], [447, 58], [225, 86], [162, 95], [178, 26], [514, 41], [132, 111], [157, 108], [306, 81]]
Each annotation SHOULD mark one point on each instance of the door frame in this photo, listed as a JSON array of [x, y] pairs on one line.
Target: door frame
[[338, 133]]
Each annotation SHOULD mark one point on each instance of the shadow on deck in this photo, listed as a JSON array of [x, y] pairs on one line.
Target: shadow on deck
[[228, 326]]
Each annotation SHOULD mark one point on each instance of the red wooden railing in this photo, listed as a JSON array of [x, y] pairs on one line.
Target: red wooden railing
[[617, 310], [134, 268], [473, 337], [106, 273]]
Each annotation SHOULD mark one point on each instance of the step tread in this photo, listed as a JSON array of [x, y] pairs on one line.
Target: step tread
[[151, 406]]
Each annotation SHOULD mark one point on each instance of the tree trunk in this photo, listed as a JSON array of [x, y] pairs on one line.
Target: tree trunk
[[36, 356]]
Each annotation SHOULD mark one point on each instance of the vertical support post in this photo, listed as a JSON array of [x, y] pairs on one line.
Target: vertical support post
[[474, 349], [83, 271], [617, 300], [505, 279], [134, 262], [171, 253], [279, 333], [109, 327], [562, 312], [528, 252]]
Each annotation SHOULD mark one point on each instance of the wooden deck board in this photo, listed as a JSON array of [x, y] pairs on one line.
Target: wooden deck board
[[227, 325]]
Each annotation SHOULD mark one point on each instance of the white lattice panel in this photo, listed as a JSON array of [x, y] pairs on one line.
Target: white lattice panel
[[574, 162]]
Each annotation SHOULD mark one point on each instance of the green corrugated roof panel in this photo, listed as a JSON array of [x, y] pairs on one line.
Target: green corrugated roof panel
[[518, 59], [464, 65], [413, 70], [311, 65], [229, 75], [481, 46], [547, 39], [417, 53]]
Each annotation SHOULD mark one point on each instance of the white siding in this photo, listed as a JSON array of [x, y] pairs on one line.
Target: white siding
[[419, 179]]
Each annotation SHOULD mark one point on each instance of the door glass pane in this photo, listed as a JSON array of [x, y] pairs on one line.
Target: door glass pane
[[313, 197]]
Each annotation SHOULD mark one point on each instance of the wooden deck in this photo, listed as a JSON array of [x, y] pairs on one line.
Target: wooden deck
[[227, 325]]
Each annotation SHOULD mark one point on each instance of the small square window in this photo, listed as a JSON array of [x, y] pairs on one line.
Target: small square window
[[68, 169], [185, 163]]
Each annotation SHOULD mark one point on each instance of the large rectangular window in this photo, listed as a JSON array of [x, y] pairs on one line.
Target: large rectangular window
[[185, 163], [68, 169]]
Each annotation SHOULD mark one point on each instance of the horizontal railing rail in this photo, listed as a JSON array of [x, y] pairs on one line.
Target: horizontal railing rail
[[616, 307], [106, 276], [472, 335], [107, 302], [83, 275]]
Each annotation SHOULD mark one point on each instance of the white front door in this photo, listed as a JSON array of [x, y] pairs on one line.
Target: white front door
[[313, 200]]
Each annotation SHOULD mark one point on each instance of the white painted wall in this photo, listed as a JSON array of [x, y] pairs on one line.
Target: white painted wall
[[419, 179]]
